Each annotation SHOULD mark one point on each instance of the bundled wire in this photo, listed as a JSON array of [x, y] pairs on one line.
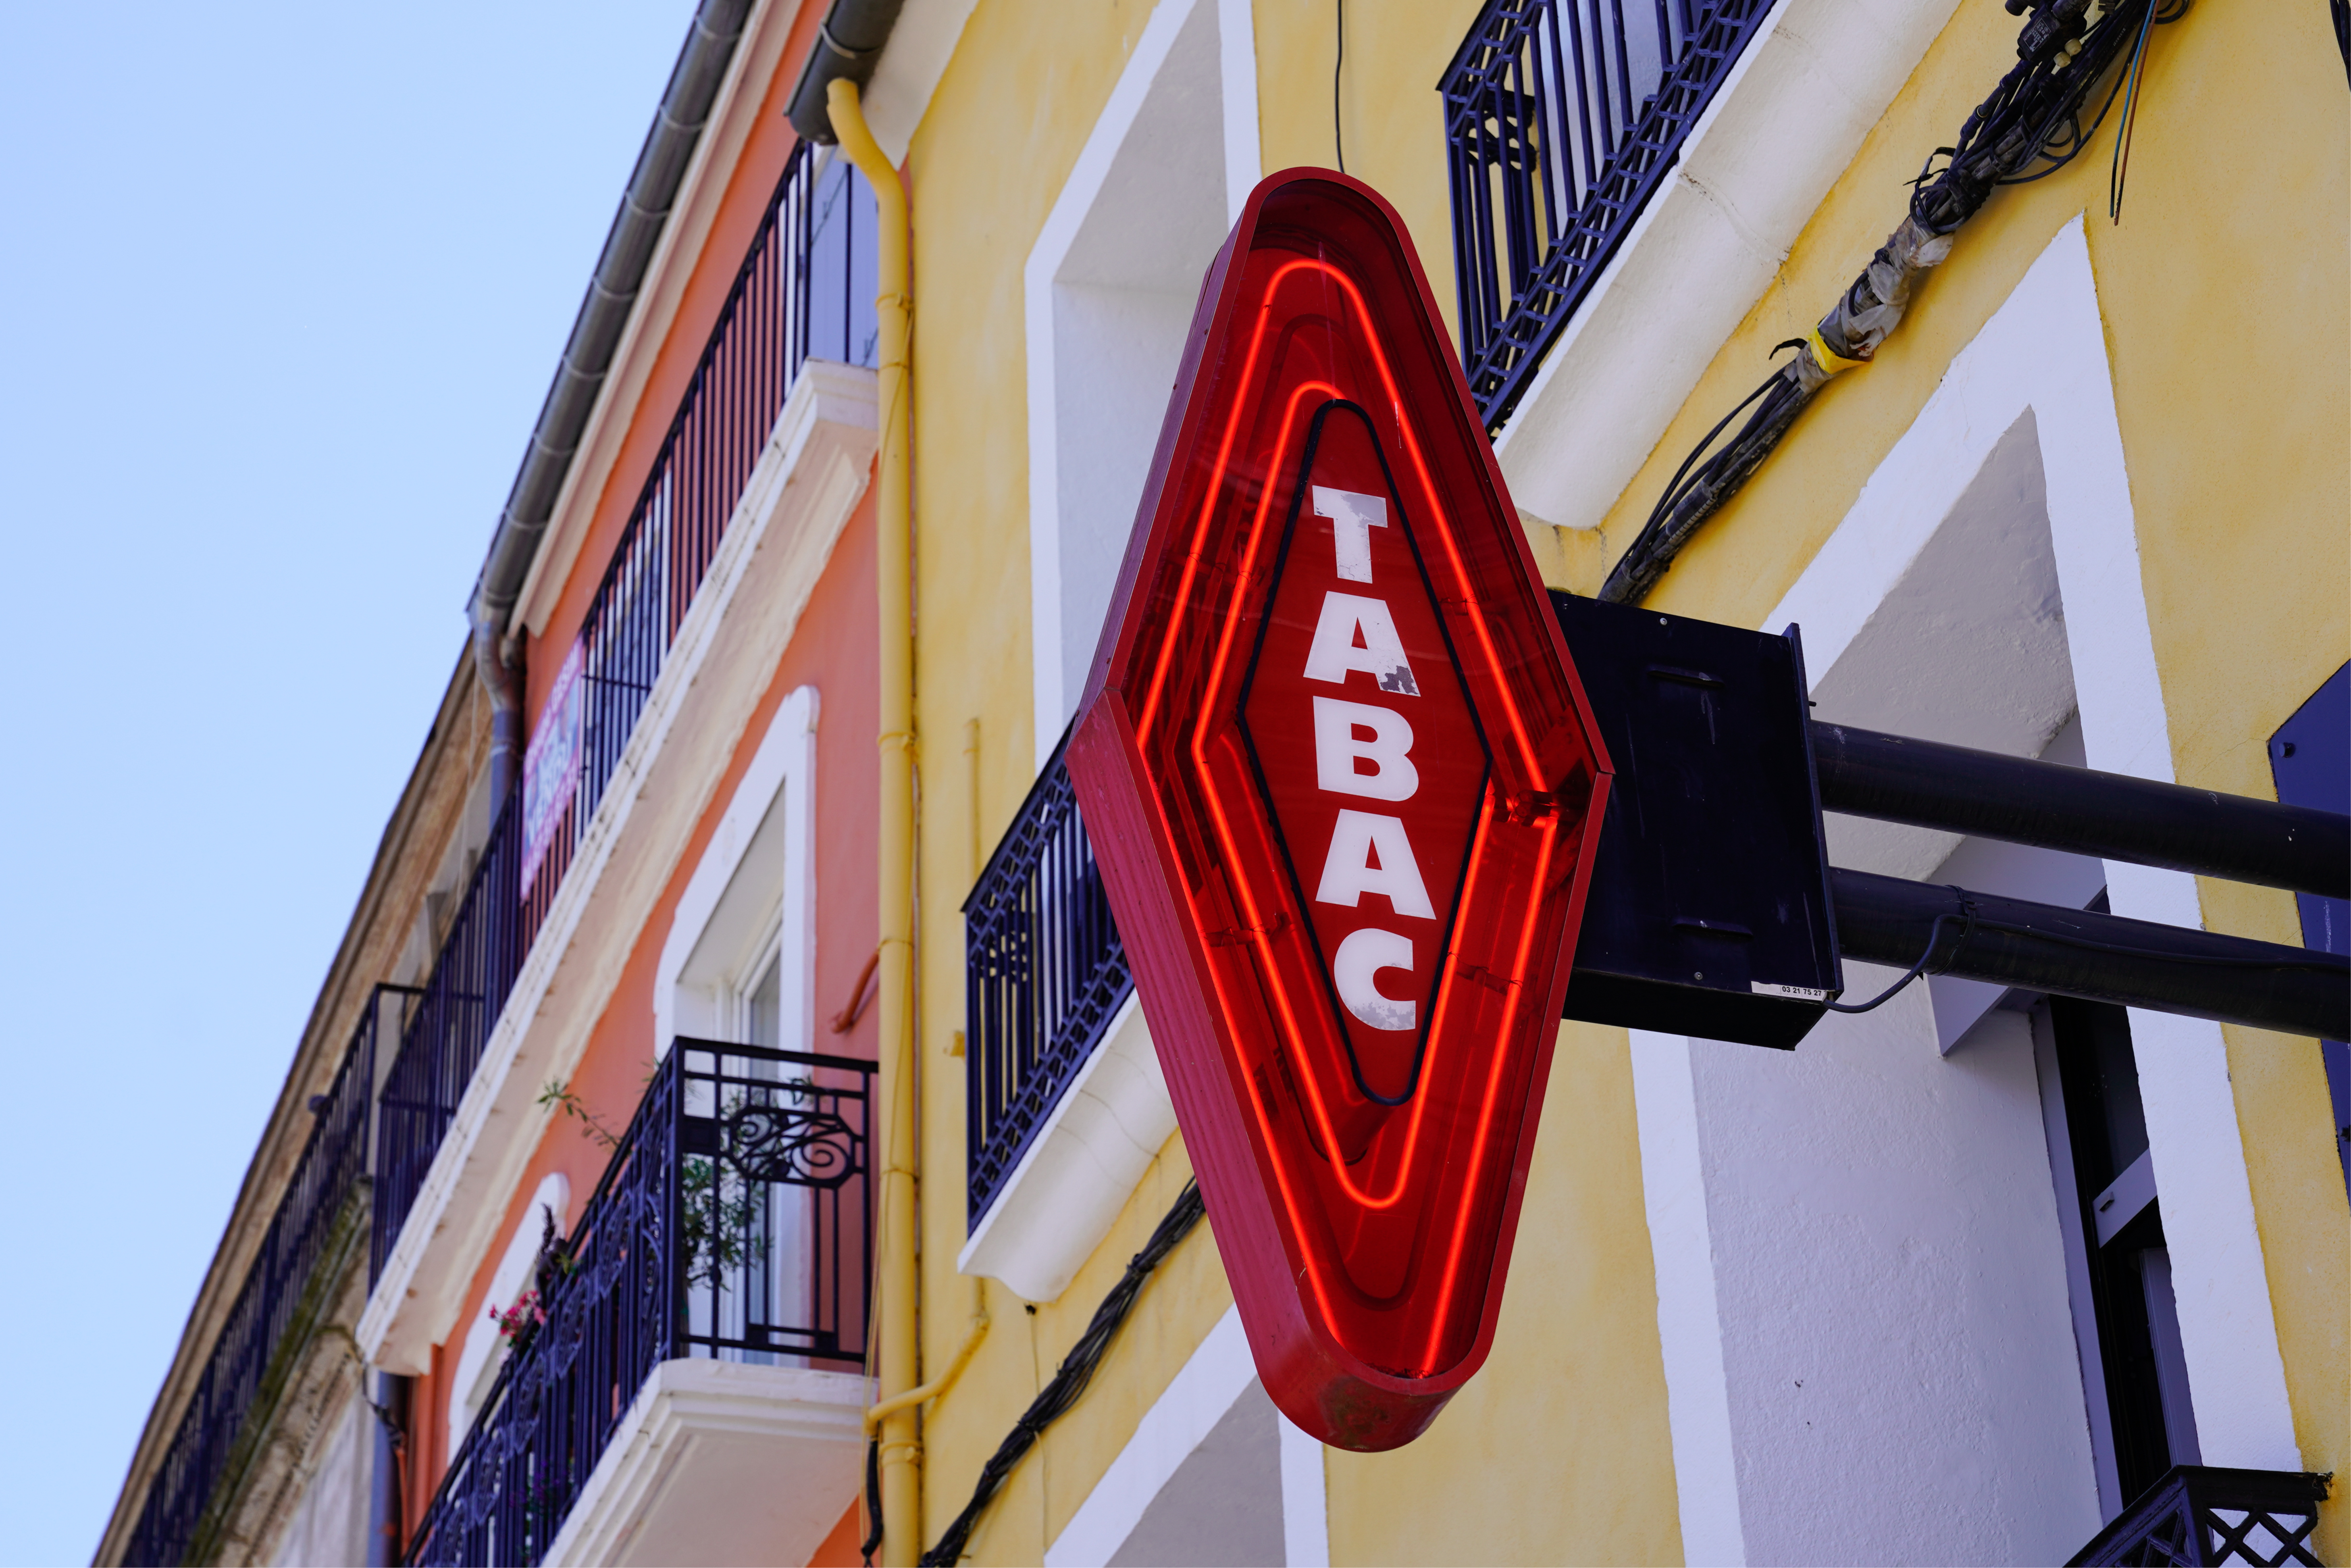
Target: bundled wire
[[1069, 1381], [2029, 127]]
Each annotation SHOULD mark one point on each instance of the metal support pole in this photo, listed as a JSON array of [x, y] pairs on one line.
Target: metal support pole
[[2101, 957], [1926, 784]]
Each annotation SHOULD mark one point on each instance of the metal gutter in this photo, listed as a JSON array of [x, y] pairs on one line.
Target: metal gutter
[[848, 45], [636, 230]]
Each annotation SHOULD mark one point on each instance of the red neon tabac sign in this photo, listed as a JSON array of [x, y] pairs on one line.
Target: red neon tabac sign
[[1344, 790]]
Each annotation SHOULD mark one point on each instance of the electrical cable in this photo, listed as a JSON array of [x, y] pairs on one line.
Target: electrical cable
[[1069, 1380], [2033, 117], [1338, 128], [2319, 963], [2121, 169], [1934, 934], [872, 1541]]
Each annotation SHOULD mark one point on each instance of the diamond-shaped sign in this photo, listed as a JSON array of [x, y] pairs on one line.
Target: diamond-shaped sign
[[1343, 787]]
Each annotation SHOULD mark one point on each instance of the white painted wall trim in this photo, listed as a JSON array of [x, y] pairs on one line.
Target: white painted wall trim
[[1218, 1372], [908, 74], [1237, 61], [1305, 1499], [785, 764], [1077, 1173], [922, 48], [807, 483], [2044, 352], [1236, 58], [1690, 1322], [1754, 173]]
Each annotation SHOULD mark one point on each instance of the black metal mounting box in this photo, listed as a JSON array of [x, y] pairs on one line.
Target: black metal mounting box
[[1710, 910]]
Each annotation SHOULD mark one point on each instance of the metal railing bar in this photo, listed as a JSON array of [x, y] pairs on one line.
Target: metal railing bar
[[1555, 150]]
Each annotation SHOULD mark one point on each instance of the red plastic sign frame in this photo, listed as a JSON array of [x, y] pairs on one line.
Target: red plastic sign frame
[[1344, 790]]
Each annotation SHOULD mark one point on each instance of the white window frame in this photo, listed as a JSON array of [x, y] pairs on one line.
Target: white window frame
[[1218, 1372], [2043, 352], [483, 1350], [1041, 277], [770, 897]]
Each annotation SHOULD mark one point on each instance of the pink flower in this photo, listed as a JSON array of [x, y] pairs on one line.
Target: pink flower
[[526, 1313]]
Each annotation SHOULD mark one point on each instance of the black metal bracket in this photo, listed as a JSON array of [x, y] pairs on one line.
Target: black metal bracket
[[1713, 910], [2109, 816], [1926, 784], [2102, 958]]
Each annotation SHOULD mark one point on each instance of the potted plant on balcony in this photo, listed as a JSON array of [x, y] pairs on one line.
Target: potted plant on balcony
[[519, 1322]]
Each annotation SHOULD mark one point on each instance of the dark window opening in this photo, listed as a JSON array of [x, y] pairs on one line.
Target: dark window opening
[[2140, 1411]]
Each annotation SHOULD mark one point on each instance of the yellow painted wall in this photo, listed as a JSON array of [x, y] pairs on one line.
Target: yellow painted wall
[[1559, 1451], [1009, 119], [1387, 103]]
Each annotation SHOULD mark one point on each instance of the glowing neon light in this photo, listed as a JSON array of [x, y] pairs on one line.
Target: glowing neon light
[[1382, 1207]]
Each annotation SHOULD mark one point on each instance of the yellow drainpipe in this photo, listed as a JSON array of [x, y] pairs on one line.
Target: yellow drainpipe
[[895, 1348], [936, 1386]]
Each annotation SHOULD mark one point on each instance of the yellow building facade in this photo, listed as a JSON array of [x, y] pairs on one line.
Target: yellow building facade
[[586, 1229], [1607, 1426]]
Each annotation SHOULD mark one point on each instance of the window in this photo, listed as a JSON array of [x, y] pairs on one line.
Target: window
[[735, 967], [1109, 289], [763, 1008], [485, 1347], [2126, 1322]]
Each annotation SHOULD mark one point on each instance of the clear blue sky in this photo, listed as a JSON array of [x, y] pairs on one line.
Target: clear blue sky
[[284, 286]]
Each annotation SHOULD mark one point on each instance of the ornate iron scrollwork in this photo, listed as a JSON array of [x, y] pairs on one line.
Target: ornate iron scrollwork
[[798, 1144]]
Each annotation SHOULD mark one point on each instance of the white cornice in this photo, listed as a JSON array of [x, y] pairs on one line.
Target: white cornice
[[921, 44]]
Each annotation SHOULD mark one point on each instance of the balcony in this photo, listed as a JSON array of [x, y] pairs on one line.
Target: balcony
[[1065, 1102], [804, 289], [1562, 119], [731, 1229], [2198, 1515], [288, 1291]]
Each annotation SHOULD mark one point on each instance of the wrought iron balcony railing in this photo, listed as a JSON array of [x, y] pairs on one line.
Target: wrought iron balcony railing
[[2198, 1514], [1561, 117], [446, 1031], [804, 290], [1044, 975], [734, 1222], [320, 1221]]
